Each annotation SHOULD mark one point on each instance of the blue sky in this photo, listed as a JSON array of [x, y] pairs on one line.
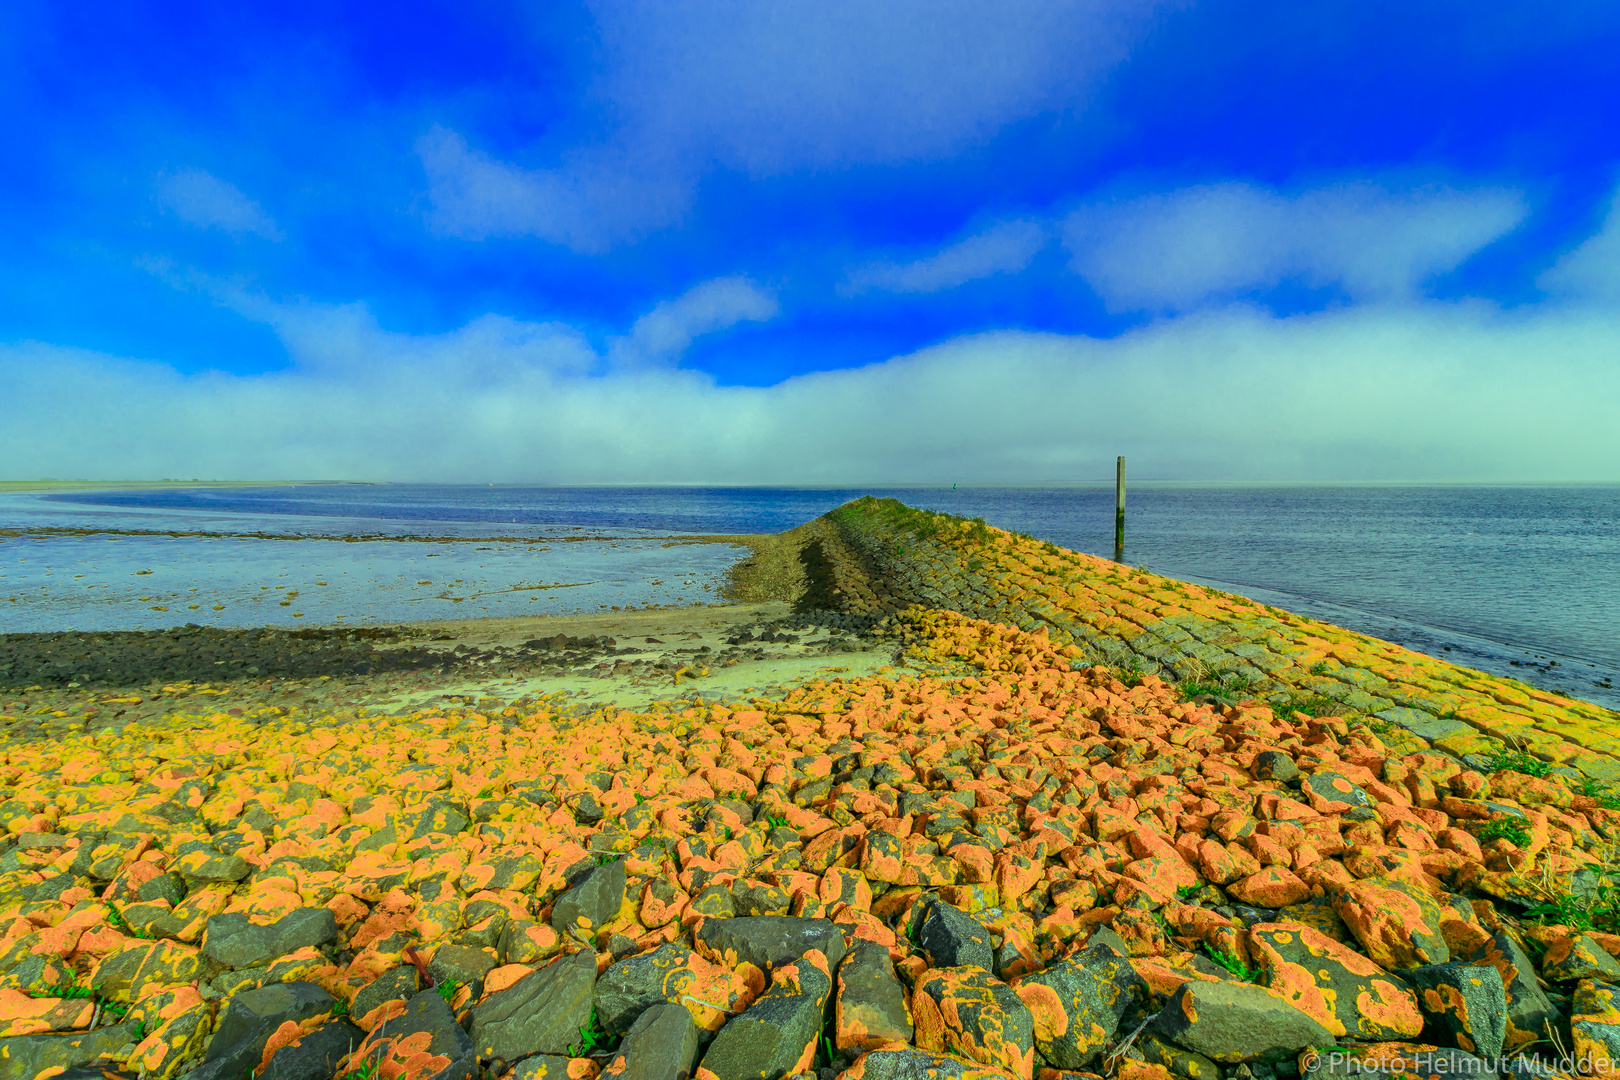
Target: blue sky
[[819, 242]]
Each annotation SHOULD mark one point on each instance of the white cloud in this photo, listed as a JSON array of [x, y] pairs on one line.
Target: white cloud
[[1381, 391], [201, 199], [1004, 248], [586, 204], [1175, 251], [776, 86], [1592, 270], [767, 88], [667, 330]]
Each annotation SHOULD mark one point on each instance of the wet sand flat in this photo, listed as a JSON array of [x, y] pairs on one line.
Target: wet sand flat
[[578, 662]]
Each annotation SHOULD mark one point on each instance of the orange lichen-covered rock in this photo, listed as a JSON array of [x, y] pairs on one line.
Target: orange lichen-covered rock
[[1402, 1061], [674, 973], [1017, 873], [1131, 1069], [777, 1034], [1273, 887], [977, 864], [870, 1007], [1333, 984], [177, 1044], [966, 1011], [1215, 864], [1577, 956], [24, 1015], [848, 887], [1398, 925], [1227, 1021], [123, 975], [422, 1041], [1077, 1004], [1465, 1001], [1595, 1024], [1528, 1009]]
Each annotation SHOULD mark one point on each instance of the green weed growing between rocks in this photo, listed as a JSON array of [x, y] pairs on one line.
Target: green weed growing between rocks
[[827, 1046], [1233, 964], [116, 918], [592, 1037], [1231, 687], [1506, 828], [1597, 908], [1131, 673], [366, 1070], [921, 524], [1315, 706], [1519, 761], [1605, 795], [1568, 910]]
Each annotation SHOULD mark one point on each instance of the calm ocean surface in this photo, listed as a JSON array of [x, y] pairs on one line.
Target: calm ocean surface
[[1523, 581]]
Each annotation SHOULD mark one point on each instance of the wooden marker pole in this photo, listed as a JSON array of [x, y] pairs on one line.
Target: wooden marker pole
[[1119, 510]]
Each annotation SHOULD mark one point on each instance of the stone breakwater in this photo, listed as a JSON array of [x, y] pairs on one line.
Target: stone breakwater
[[1138, 621], [1020, 864]]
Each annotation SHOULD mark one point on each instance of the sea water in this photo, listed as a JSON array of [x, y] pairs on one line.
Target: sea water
[[1522, 581]]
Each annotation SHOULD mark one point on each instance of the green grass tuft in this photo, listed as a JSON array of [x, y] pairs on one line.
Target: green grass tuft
[[1236, 967], [1231, 687], [591, 1037], [1605, 795], [1519, 761], [1506, 828], [1316, 706]]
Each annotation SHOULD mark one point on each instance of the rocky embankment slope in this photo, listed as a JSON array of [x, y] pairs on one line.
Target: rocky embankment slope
[[1245, 848], [1136, 621]]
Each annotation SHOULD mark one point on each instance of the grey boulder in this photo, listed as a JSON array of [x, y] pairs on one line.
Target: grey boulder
[[314, 1056], [248, 1021], [1233, 1022], [769, 941], [871, 1007], [662, 1045], [1463, 1003], [541, 1013], [591, 903], [776, 1035], [234, 942], [30, 1055], [425, 1030], [953, 938], [1091, 992]]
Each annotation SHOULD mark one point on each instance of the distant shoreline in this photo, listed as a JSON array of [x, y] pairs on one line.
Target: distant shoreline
[[26, 486], [8, 487]]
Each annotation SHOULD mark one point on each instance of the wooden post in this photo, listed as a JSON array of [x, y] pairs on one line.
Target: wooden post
[[1119, 510]]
